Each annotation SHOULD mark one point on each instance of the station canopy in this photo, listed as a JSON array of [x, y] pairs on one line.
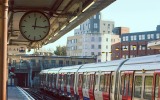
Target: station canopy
[[64, 15]]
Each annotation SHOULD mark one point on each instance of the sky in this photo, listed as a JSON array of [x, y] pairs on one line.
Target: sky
[[138, 15]]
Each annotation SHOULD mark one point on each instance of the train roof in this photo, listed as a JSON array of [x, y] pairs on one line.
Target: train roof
[[44, 71], [70, 68], [150, 62], [54, 70], [103, 66]]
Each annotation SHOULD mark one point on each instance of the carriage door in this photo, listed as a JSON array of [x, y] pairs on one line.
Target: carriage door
[[91, 86], [127, 84], [156, 86], [106, 92], [80, 83]]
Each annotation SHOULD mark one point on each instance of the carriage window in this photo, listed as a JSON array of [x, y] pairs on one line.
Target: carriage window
[[64, 79], [84, 81], [59, 80], [80, 80], [101, 85], [87, 81], [130, 84], [157, 86], [148, 88], [53, 80], [112, 83], [96, 82], [69, 79], [72, 80], [107, 82], [91, 83], [122, 84], [138, 86]]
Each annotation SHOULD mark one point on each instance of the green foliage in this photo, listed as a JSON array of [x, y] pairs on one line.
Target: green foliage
[[60, 51]]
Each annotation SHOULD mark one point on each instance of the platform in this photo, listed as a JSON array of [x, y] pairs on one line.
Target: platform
[[17, 93]]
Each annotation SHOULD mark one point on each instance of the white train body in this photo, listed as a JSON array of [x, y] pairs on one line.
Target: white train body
[[128, 79]]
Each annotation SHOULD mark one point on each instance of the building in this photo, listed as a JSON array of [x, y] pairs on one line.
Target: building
[[135, 44], [91, 39]]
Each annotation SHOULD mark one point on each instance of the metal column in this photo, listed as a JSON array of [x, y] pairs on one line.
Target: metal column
[[3, 47]]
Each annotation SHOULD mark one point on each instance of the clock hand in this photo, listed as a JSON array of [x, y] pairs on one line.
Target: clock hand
[[40, 26], [35, 23]]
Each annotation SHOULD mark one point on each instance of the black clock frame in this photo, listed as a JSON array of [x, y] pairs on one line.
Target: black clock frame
[[22, 20]]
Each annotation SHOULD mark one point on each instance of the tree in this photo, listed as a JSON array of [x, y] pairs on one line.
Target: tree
[[60, 51]]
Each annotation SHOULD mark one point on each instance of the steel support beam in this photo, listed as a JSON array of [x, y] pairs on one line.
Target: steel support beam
[[3, 48]]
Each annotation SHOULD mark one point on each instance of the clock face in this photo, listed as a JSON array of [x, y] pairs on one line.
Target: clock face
[[34, 26]]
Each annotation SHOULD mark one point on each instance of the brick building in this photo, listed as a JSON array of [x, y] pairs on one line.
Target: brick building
[[135, 44]]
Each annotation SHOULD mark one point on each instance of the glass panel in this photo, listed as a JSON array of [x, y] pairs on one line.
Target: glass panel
[[138, 86], [107, 82], [80, 80], [148, 88], [157, 86], [87, 81], [96, 82], [91, 83], [112, 83], [72, 80], [84, 81], [126, 85], [101, 85], [59, 80], [130, 85], [122, 84]]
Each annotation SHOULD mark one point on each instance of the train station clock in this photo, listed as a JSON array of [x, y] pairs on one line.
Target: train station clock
[[34, 26]]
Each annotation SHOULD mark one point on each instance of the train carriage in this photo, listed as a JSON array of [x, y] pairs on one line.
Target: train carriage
[[53, 80], [127, 79], [69, 81], [97, 81], [43, 79], [139, 79]]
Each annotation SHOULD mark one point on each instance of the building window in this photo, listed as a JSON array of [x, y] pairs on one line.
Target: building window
[[92, 53], [135, 37], [157, 36], [95, 25], [152, 36], [131, 38], [99, 39], [148, 36], [107, 39], [92, 46], [67, 63], [99, 46], [92, 39], [126, 38], [140, 37], [109, 26], [143, 37], [53, 63], [106, 46], [99, 53]]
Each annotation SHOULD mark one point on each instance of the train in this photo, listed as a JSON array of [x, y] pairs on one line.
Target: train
[[125, 79]]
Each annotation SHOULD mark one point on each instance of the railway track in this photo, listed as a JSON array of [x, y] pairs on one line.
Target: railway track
[[38, 95]]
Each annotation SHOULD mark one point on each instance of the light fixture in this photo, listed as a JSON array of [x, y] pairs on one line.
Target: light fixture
[[63, 27], [50, 38], [117, 49], [55, 34], [88, 6], [134, 46], [73, 19]]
